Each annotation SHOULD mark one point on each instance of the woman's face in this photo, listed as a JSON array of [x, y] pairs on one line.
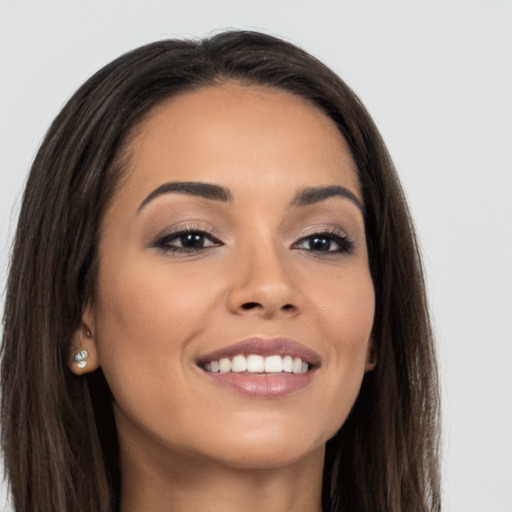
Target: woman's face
[[236, 235]]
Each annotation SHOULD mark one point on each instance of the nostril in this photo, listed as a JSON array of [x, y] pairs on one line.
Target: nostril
[[250, 305]]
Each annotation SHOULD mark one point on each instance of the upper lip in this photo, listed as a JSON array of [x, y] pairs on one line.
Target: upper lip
[[264, 347]]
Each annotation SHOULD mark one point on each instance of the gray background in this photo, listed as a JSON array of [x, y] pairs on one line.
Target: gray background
[[437, 77]]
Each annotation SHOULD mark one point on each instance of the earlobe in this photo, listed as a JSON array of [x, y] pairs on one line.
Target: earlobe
[[83, 356]]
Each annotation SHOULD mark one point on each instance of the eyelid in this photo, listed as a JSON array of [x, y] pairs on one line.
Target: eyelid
[[189, 226], [322, 229], [319, 229]]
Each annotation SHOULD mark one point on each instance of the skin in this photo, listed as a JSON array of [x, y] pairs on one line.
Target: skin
[[186, 443]]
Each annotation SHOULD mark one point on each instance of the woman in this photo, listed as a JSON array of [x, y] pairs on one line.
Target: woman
[[215, 300]]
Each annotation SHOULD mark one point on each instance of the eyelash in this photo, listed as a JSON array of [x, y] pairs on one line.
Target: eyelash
[[345, 244], [163, 242]]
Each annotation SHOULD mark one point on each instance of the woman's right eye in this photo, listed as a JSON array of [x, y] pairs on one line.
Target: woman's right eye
[[187, 241]]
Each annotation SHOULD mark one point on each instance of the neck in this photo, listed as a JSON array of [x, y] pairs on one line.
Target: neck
[[157, 480]]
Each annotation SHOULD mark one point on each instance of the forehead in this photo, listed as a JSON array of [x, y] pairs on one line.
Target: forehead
[[234, 134]]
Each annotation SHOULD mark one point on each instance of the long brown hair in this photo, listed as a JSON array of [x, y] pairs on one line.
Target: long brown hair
[[58, 433]]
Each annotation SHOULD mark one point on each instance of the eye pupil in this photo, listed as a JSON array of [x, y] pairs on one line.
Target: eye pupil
[[320, 243], [192, 240]]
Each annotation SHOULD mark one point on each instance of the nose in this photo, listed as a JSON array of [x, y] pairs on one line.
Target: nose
[[263, 284]]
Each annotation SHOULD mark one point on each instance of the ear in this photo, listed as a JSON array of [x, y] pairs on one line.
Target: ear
[[371, 356], [83, 355]]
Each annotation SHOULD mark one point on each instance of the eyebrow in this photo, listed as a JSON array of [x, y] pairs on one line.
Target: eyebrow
[[304, 197], [312, 195], [190, 188]]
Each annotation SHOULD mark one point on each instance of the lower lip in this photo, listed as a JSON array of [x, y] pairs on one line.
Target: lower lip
[[260, 385]]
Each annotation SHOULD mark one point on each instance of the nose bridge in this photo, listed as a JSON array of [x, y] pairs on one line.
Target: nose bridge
[[262, 280]]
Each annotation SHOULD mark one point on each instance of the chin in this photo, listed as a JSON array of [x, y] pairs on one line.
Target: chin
[[269, 446], [267, 456]]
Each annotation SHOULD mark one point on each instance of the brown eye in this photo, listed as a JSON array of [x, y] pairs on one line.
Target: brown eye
[[328, 243], [322, 243], [186, 241], [191, 240]]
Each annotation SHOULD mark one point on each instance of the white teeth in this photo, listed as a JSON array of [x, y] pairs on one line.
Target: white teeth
[[239, 364], [288, 364], [297, 365], [225, 365], [255, 363], [273, 364]]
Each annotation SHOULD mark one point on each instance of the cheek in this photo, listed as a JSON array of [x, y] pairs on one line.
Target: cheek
[[145, 318], [353, 314], [344, 303], [148, 304], [347, 307]]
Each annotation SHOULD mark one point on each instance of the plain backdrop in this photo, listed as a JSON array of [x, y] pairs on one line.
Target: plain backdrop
[[437, 77]]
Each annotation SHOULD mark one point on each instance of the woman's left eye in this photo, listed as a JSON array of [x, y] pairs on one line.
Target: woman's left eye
[[327, 243], [187, 241]]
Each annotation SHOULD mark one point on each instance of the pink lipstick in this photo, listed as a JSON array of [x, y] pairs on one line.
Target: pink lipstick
[[261, 367]]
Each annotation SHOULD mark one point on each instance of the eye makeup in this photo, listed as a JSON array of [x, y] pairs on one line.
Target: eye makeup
[[318, 230], [193, 239], [186, 240], [326, 242]]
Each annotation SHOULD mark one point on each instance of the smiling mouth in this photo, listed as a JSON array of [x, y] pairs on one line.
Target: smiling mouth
[[261, 368], [255, 364]]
